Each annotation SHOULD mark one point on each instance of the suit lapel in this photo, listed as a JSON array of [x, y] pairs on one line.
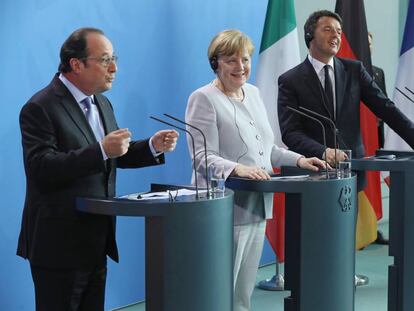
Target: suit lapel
[[70, 105], [313, 82], [108, 121], [340, 75], [106, 114]]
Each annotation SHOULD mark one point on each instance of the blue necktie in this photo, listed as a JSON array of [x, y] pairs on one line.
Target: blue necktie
[[92, 115]]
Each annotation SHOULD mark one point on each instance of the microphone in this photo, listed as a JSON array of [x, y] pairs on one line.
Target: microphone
[[192, 140], [334, 128], [204, 140], [412, 93], [405, 95], [323, 133]]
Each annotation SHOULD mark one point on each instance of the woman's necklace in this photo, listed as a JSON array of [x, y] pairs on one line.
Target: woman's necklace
[[233, 95]]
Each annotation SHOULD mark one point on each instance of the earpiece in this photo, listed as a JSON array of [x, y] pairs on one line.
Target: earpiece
[[308, 38], [213, 63]]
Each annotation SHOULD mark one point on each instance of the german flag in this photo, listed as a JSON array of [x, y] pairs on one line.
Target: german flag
[[355, 46]]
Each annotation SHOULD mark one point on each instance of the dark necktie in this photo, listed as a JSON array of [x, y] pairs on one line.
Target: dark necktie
[[329, 93], [93, 118]]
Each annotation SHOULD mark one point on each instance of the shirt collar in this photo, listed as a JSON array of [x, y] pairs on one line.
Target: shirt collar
[[77, 94], [318, 65]]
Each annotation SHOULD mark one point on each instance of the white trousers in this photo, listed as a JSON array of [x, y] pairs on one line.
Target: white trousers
[[248, 246]]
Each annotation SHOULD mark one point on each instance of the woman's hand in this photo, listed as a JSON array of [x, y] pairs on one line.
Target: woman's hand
[[252, 172]]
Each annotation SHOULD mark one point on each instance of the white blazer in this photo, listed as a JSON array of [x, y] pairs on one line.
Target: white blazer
[[236, 132]]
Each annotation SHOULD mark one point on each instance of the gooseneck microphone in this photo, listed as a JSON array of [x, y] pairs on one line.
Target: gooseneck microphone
[[323, 133], [405, 95], [192, 140], [333, 127], [204, 140], [412, 93]]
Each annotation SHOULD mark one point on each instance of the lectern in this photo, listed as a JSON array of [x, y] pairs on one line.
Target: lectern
[[320, 239], [401, 224], [188, 249]]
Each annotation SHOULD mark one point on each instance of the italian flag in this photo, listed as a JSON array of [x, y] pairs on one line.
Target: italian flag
[[279, 52]]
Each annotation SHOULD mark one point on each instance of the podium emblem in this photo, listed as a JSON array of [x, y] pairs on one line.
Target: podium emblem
[[345, 199]]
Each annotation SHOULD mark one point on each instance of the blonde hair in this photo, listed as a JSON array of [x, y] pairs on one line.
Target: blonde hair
[[229, 42]]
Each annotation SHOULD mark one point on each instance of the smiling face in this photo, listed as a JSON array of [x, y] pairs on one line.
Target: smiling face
[[234, 70], [326, 39]]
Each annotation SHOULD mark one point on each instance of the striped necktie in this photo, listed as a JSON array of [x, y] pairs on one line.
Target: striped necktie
[[92, 115]]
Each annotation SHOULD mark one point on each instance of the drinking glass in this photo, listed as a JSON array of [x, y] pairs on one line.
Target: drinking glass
[[344, 168], [216, 172]]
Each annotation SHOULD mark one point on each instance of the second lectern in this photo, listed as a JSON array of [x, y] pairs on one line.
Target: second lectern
[[320, 239]]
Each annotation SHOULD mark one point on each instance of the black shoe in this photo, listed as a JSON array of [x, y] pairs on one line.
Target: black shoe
[[380, 239]]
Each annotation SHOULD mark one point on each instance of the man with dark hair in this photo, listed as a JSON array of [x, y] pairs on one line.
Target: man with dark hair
[[312, 22], [306, 86], [334, 88], [71, 148], [75, 46]]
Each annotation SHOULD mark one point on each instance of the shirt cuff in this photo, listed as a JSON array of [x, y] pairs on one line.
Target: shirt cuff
[[153, 151], [105, 157]]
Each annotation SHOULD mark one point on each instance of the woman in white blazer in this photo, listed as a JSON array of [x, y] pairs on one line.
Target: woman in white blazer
[[233, 118]]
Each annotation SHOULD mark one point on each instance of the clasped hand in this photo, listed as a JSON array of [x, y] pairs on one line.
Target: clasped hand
[[330, 156], [165, 140], [116, 143]]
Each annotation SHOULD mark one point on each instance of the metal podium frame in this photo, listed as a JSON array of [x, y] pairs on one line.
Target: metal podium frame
[[320, 240], [401, 224], [188, 249]]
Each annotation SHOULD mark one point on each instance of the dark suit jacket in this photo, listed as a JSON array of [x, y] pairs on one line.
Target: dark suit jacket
[[300, 86], [62, 161], [379, 78]]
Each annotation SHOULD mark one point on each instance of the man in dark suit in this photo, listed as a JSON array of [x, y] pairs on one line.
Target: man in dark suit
[[72, 147], [349, 83], [332, 87]]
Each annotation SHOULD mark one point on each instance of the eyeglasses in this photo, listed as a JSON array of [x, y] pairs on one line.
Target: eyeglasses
[[104, 60]]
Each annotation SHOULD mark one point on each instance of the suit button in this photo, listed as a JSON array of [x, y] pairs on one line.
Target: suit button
[[263, 168], [252, 122], [258, 137], [261, 152]]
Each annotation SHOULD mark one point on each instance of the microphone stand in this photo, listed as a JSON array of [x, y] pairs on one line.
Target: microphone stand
[[405, 95], [335, 132], [192, 140], [323, 133], [205, 145], [412, 93]]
